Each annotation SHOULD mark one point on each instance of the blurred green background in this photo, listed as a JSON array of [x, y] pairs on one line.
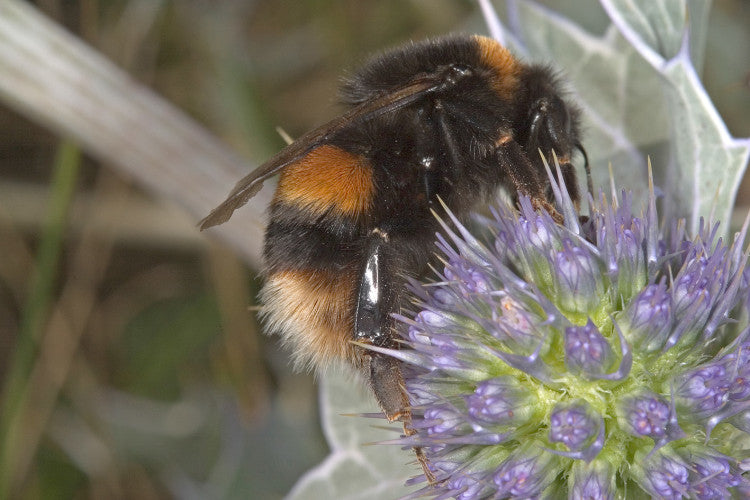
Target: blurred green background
[[152, 378]]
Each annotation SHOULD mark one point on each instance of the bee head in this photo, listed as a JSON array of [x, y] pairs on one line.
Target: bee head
[[548, 122]]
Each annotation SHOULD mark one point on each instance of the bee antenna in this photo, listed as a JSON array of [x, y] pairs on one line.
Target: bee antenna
[[586, 167]]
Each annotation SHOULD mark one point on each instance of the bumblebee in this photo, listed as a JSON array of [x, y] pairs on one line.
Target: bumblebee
[[450, 119]]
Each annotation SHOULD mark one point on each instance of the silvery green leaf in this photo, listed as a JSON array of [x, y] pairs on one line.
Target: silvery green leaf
[[660, 26], [356, 468], [706, 162], [623, 113]]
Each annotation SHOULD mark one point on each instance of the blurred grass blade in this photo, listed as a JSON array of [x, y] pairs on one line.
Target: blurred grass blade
[[56, 79], [37, 307]]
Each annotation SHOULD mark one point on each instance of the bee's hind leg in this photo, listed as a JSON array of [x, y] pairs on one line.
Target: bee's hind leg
[[378, 297], [387, 384]]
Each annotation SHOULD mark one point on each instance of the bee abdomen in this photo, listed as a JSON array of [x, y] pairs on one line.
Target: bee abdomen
[[328, 180], [312, 310], [312, 250]]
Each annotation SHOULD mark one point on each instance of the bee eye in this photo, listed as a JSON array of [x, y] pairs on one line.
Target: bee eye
[[561, 115], [550, 116], [537, 113]]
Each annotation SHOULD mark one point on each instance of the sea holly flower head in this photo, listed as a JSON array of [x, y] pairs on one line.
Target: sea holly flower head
[[590, 359]]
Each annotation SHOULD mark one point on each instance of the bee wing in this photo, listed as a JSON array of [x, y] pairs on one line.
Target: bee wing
[[248, 186]]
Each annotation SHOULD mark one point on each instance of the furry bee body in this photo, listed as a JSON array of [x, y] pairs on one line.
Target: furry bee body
[[450, 119]]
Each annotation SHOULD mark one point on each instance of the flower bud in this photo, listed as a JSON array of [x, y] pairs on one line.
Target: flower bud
[[738, 365], [443, 420], [500, 401], [466, 486], [645, 415], [577, 279], [594, 481], [662, 474], [650, 315], [704, 389], [586, 350], [573, 424], [535, 233], [711, 473], [514, 325], [694, 293], [470, 278], [525, 473]]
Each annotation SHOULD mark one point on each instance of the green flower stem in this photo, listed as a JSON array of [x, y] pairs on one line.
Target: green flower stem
[[15, 390]]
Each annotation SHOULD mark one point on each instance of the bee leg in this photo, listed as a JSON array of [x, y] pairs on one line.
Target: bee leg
[[377, 298], [587, 168], [387, 384], [524, 178]]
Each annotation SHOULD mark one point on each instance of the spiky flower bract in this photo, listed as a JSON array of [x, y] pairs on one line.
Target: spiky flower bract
[[607, 358]]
